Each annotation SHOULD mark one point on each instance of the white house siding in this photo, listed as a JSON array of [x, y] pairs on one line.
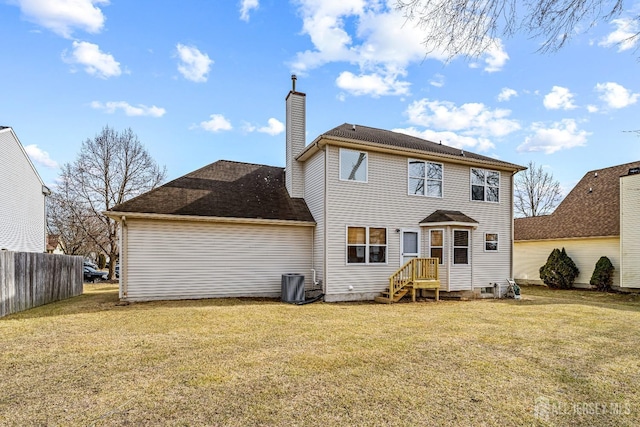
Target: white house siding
[[22, 203], [295, 136], [629, 231], [190, 260], [383, 202], [529, 256], [314, 196]]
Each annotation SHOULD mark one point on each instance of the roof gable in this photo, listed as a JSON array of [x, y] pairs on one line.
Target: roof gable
[[224, 189], [591, 209]]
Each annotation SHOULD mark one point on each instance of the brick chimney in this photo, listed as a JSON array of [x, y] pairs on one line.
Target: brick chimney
[[296, 130]]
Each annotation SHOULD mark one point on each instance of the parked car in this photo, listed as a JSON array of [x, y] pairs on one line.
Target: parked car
[[93, 275], [117, 271], [90, 264]]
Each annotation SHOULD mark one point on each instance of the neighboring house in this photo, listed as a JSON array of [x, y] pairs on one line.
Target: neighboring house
[[347, 211], [54, 245], [22, 198], [597, 218]]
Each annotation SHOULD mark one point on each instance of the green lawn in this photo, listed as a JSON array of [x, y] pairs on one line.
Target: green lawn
[[572, 355]]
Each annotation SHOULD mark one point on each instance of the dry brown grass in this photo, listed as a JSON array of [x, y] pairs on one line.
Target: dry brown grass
[[234, 362]]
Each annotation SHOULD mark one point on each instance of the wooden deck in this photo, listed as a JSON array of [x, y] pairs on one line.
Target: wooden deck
[[417, 273]]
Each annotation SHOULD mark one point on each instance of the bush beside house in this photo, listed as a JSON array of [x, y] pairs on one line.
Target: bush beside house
[[560, 271], [602, 276]]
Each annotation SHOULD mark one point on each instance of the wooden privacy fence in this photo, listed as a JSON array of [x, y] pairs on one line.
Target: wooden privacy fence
[[29, 279]]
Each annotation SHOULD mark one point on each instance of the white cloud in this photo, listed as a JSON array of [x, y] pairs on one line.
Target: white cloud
[[450, 138], [372, 84], [375, 37], [246, 6], [615, 95], [40, 156], [437, 80], [506, 94], [216, 123], [194, 64], [471, 118], [561, 135], [95, 62], [274, 127], [560, 98], [130, 110], [63, 16], [624, 36], [592, 108], [496, 57]]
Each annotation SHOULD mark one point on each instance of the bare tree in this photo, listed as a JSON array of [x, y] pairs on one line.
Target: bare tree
[[536, 192], [110, 169], [472, 27]]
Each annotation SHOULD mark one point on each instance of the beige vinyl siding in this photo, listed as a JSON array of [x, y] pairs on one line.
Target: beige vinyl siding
[[295, 142], [384, 202], [529, 256], [22, 203], [189, 260], [314, 197], [629, 231]]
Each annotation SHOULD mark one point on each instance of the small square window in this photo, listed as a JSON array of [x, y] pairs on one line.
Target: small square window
[[491, 242], [485, 185], [353, 165]]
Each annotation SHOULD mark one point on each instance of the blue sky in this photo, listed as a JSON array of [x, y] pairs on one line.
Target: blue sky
[[200, 81]]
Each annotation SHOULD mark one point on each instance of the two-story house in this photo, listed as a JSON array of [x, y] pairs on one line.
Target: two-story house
[[347, 211], [22, 198]]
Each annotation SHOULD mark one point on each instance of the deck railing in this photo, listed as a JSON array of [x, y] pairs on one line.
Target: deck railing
[[413, 270]]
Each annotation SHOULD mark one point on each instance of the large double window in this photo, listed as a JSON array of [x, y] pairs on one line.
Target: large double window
[[366, 245], [425, 178], [353, 165], [485, 185]]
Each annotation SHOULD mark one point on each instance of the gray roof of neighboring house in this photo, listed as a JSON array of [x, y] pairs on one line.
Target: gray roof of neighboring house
[[224, 189], [591, 209], [400, 140], [447, 216]]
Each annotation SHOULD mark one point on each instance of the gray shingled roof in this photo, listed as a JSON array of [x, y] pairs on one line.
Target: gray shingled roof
[[447, 216], [591, 209], [401, 140], [224, 189]]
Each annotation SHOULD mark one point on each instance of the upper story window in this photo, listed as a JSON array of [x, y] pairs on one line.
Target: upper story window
[[485, 185], [491, 242], [366, 245], [425, 178], [353, 165]]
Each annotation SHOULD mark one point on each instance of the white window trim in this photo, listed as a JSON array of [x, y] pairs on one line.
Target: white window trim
[[366, 260], [485, 185], [443, 244], [366, 180], [453, 246], [497, 243], [425, 179]]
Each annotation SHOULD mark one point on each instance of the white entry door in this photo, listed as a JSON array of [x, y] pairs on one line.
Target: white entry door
[[409, 245]]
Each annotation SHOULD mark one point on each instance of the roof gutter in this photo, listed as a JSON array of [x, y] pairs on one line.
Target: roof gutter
[[120, 216], [323, 140]]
